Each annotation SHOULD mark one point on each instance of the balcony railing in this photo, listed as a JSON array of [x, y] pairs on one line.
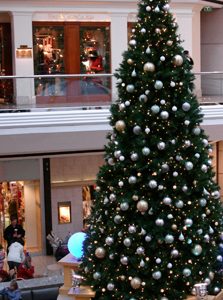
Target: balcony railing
[[84, 90]]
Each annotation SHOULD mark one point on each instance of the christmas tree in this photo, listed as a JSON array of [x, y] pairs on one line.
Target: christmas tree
[[155, 228]]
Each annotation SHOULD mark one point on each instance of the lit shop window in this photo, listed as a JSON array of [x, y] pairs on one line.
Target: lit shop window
[[48, 51]]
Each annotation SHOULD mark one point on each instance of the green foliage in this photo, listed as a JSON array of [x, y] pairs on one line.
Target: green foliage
[[156, 222]]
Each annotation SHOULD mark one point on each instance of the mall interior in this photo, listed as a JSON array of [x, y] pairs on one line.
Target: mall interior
[[57, 60]]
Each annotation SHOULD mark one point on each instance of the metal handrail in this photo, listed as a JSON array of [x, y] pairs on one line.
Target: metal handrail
[[55, 76]]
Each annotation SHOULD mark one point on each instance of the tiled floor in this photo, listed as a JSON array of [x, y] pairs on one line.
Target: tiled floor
[[40, 264]]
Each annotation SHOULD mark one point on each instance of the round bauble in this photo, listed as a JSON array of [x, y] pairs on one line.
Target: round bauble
[[158, 85], [148, 238], [142, 206], [109, 240], [140, 250], [178, 60], [143, 98], [188, 222], [196, 130], [155, 109], [137, 130], [162, 58], [172, 84], [100, 252], [132, 180], [130, 88], [152, 184], [110, 286], [157, 30], [134, 157], [166, 7], [127, 242], [124, 260], [216, 194], [124, 206], [132, 229], [161, 145], [97, 275], [197, 250], [145, 151], [186, 272], [147, 130], [135, 283], [189, 165], [179, 204], [112, 197], [132, 42], [159, 222], [148, 8], [164, 115], [117, 219], [204, 168], [130, 61], [120, 126], [169, 43], [175, 253], [157, 275], [143, 30], [169, 238], [174, 108], [111, 161], [149, 67], [120, 183], [167, 200], [186, 106]]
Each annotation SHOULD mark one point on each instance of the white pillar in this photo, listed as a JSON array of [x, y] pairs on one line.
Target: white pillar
[[22, 35], [119, 43]]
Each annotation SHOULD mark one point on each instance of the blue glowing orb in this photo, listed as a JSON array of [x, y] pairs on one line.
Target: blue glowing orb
[[75, 244]]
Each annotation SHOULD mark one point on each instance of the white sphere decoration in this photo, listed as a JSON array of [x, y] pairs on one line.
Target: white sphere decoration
[[112, 197], [179, 204], [188, 222], [132, 179], [166, 7], [169, 238], [148, 8], [205, 142], [143, 30], [187, 122], [178, 60], [119, 80], [111, 161], [186, 106], [155, 109], [162, 58], [109, 240], [207, 281], [122, 158], [97, 275], [162, 101], [132, 42], [147, 130], [157, 275], [197, 155], [100, 252], [143, 98], [148, 238], [124, 206], [159, 222], [164, 115], [117, 153], [124, 260], [132, 229], [152, 184], [137, 130], [172, 84], [197, 250], [142, 206], [127, 242], [174, 108], [175, 174], [134, 157], [167, 200], [158, 261], [145, 151], [186, 272], [219, 258], [216, 194], [120, 183], [129, 61], [204, 168], [189, 165], [110, 286], [158, 85], [175, 253], [130, 88], [169, 43], [127, 103], [161, 146], [169, 266], [75, 244], [117, 219], [149, 67], [140, 250], [196, 130], [157, 30], [135, 283]]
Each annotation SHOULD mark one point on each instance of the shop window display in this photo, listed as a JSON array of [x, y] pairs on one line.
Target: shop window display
[[88, 194], [48, 51]]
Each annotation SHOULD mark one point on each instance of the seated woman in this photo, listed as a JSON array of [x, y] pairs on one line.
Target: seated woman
[[25, 269]]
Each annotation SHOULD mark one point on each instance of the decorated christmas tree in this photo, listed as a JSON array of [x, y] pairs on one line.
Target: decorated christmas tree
[[155, 227]]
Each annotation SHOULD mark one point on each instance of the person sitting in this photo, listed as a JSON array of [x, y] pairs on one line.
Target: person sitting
[[12, 292], [25, 269]]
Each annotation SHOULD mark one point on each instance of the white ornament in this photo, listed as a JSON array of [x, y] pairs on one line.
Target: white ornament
[[132, 179], [162, 58], [178, 60], [174, 108], [143, 98], [148, 8], [127, 242], [189, 165], [164, 115], [110, 286], [172, 84], [157, 275], [132, 43], [148, 50], [130, 88], [167, 200], [143, 30], [142, 206], [134, 157], [127, 103], [161, 146], [124, 206], [137, 130], [134, 73], [155, 109], [152, 184], [158, 85], [149, 67], [135, 283], [186, 106], [159, 222], [145, 151]]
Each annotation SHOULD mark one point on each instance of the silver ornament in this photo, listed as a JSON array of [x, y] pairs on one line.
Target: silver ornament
[[110, 286], [120, 183], [157, 10], [132, 180], [185, 188], [124, 206], [117, 153], [178, 60], [161, 145], [169, 266], [187, 143], [158, 261], [119, 80], [204, 168], [130, 88], [197, 250], [174, 108], [132, 229], [179, 204], [188, 222], [157, 275], [145, 151], [189, 165], [135, 283], [175, 253], [120, 125], [127, 103], [100, 252], [109, 240], [216, 290], [186, 106], [137, 130], [135, 198], [165, 168], [205, 142], [159, 222], [187, 122], [147, 130], [155, 109], [169, 43], [97, 275], [148, 238], [162, 58], [152, 184], [121, 106], [175, 174], [196, 130], [142, 263], [207, 281], [186, 272], [216, 194], [167, 200], [166, 7], [124, 260], [111, 161], [197, 155], [122, 158], [112, 197], [127, 242], [140, 250], [169, 238], [181, 237], [148, 50], [172, 84], [142, 206], [134, 157], [158, 85], [132, 42], [143, 30], [149, 67], [157, 30], [164, 115], [117, 219], [170, 216], [134, 74], [143, 98]]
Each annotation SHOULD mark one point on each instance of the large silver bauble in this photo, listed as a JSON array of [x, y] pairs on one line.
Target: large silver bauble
[[205, 142], [189, 165], [109, 240], [197, 130], [132, 229], [157, 275], [152, 184], [134, 157], [216, 289], [186, 272], [142, 206], [110, 286], [97, 275], [132, 42], [158, 85], [179, 204], [117, 219], [169, 238], [145, 151], [140, 250], [127, 242], [186, 106], [132, 179], [204, 168], [130, 88], [159, 222], [148, 8], [164, 115], [197, 250], [124, 206], [124, 260], [166, 7], [149, 67], [175, 253], [148, 238], [137, 130], [155, 109], [161, 145], [143, 98], [135, 283], [120, 125], [216, 194], [117, 153], [167, 200], [100, 252], [178, 60], [188, 222]]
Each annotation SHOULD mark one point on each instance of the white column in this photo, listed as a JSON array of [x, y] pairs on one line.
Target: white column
[[119, 43], [22, 35]]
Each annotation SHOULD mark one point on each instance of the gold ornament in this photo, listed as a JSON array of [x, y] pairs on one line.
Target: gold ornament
[[100, 252], [130, 61], [178, 60], [120, 125], [142, 206], [136, 283], [169, 43], [149, 67]]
